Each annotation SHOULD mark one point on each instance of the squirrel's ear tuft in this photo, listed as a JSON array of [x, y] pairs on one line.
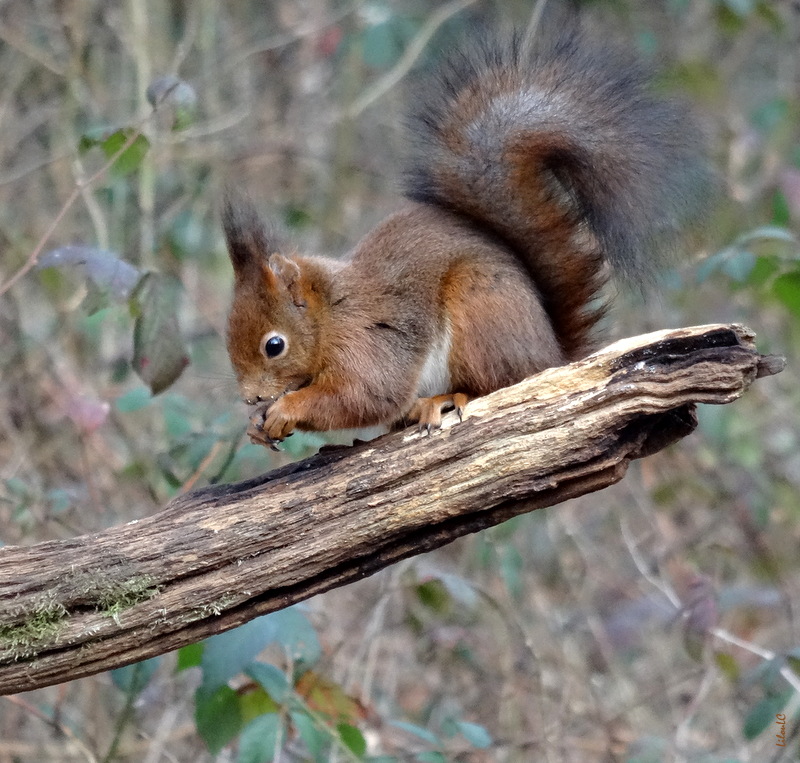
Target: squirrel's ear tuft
[[288, 273], [245, 233]]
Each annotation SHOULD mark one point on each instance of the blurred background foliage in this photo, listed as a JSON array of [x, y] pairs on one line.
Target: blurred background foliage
[[655, 621]]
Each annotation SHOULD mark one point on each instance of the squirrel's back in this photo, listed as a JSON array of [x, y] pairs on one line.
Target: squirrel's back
[[561, 150]]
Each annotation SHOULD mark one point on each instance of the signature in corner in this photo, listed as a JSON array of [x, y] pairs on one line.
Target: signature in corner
[[780, 719]]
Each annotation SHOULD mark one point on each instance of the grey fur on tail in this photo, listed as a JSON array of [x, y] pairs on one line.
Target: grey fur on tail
[[627, 163]]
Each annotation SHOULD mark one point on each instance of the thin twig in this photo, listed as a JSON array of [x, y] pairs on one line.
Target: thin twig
[[765, 654], [533, 25], [286, 38], [65, 730], [407, 60], [93, 208], [126, 714], [17, 174], [18, 41], [641, 566], [204, 464], [33, 257], [682, 732]]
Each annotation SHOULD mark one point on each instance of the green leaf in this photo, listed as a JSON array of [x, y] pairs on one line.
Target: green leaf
[[259, 739], [787, 289], [768, 233], [159, 354], [714, 421], [297, 217], [217, 716], [95, 299], [764, 270], [417, 731], [696, 78], [768, 675], [740, 7], [59, 500], [460, 589], [228, 654], [380, 45], [739, 265], [762, 714], [271, 679], [131, 679], [511, 567], [475, 734], [710, 265], [302, 444], [771, 15], [130, 159], [17, 487], [728, 21], [189, 656], [771, 114], [177, 411], [111, 142], [296, 635], [188, 236], [793, 660], [647, 749], [133, 400], [434, 595], [728, 665], [353, 739], [255, 702], [91, 138], [315, 739], [781, 211], [431, 757], [736, 262]]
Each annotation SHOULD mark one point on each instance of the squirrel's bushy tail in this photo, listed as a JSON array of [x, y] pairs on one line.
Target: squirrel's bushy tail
[[561, 149]]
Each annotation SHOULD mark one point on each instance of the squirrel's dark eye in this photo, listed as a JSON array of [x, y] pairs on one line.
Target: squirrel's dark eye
[[274, 345]]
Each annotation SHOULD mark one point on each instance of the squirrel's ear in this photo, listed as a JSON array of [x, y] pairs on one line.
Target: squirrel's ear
[[288, 273], [245, 233]]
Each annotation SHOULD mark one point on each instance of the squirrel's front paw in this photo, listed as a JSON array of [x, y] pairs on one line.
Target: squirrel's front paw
[[279, 422], [271, 423], [255, 429]]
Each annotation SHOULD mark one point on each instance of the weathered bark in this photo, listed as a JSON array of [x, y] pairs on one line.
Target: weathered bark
[[216, 558]]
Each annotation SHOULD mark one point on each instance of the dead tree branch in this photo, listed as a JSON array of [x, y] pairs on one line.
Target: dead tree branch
[[218, 557]]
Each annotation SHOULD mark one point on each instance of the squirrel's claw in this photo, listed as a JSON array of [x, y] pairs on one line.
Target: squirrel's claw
[[257, 435], [260, 431], [279, 422], [460, 401], [427, 411]]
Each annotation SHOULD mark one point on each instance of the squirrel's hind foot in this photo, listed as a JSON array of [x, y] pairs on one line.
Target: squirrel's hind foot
[[427, 411]]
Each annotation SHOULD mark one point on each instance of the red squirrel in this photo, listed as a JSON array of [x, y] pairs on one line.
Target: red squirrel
[[533, 171]]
